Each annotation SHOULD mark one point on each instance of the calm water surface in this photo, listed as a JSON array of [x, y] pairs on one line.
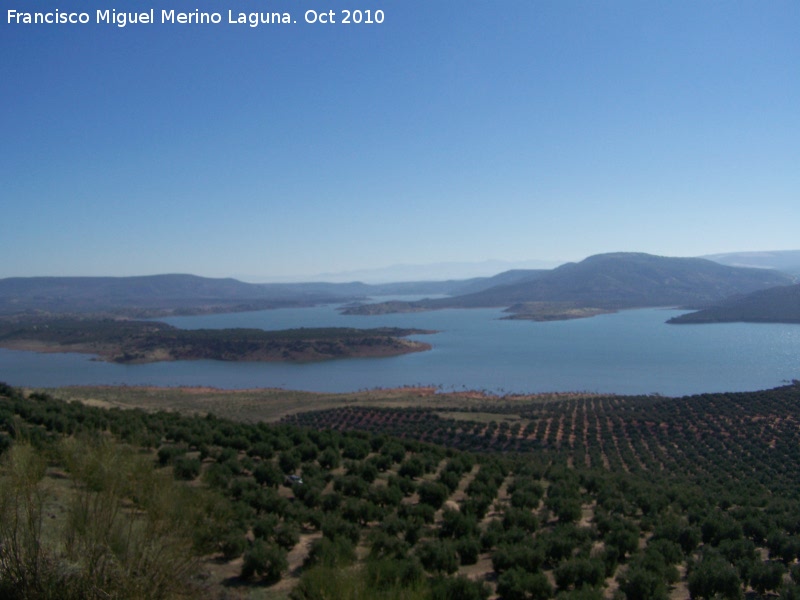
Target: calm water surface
[[631, 352]]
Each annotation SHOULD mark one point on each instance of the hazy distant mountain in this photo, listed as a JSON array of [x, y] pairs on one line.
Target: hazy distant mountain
[[628, 279], [773, 305], [451, 271], [623, 280], [416, 288], [505, 278], [408, 288], [160, 294], [781, 260], [183, 293], [605, 281]]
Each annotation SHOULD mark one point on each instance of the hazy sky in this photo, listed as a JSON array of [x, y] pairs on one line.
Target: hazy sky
[[454, 131]]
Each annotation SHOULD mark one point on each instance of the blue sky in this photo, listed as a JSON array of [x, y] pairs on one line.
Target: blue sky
[[454, 131]]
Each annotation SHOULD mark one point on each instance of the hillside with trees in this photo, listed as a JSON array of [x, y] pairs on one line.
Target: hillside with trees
[[145, 296], [579, 497], [130, 341], [160, 295], [600, 283], [774, 305]]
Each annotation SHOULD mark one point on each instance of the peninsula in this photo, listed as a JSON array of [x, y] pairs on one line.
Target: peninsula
[[130, 341]]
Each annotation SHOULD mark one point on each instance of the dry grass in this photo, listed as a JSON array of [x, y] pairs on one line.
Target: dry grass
[[267, 404]]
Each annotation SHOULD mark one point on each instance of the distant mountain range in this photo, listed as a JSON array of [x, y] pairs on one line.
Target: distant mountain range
[[628, 280], [152, 295], [611, 282], [149, 294], [597, 284], [437, 271], [787, 261]]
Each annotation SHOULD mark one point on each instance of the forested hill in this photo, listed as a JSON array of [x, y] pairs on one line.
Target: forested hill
[[774, 305], [158, 295], [513, 276], [602, 282], [134, 341], [181, 293], [623, 280]]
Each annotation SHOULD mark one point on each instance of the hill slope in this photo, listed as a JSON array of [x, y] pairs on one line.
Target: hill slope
[[505, 278], [162, 294], [605, 490], [623, 280], [165, 292], [773, 305], [627, 280]]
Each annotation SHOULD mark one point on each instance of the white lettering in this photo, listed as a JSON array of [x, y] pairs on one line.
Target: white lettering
[[196, 17], [50, 18]]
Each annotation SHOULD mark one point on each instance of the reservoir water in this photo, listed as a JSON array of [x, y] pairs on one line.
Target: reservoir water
[[630, 352]]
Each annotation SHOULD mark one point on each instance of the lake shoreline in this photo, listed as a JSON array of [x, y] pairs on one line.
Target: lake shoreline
[[629, 352], [117, 354]]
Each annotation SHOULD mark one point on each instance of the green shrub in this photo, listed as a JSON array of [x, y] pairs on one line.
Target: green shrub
[[458, 588], [330, 553], [712, 575], [286, 535], [518, 584], [233, 545], [642, 584], [438, 556], [265, 560], [468, 549], [186, 468]]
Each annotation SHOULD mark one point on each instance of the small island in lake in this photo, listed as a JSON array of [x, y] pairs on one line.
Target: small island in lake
[[130, 341], [552, 311]]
